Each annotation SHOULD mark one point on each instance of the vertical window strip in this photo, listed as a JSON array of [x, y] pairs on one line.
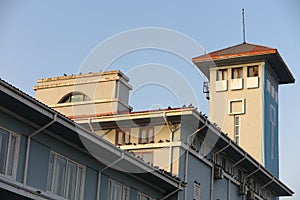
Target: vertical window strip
[[237, 129]]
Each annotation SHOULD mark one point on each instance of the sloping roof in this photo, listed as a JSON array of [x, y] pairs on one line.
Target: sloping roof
[[37, 114], [244, 53], [243, 49]]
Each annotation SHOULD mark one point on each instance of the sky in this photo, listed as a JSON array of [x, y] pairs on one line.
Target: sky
[[40, 39]]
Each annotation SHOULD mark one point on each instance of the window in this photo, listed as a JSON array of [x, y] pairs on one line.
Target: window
[[197, 188], [252, 71], [146, 156], [237, 129], [74, 97], [273, 124], [239, 175], [146, 135], [65, 177], [236, 106], [142, 196], [237, 73], [9, 147], [223, 163], [123, 136], [118, 191], [222, 74]]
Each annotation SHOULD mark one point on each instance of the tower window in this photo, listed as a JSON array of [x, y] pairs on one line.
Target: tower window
[[222, 74], [252, 71], [273, 124], [237, 73], [237, 125], [74, 97]]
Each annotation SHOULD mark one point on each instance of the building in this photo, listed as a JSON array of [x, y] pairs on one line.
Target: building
[[244, 82], [45, 155], [182, 141]]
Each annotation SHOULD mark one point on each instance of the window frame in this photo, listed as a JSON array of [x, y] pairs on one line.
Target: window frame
[[272, 128], [235, 73], [147, 139], [15, 158], [222, 74], [80, 178], [125, 134], [140, 195], [124, 187], [255, 73], [230, 112], [68, 98], [237, 135]]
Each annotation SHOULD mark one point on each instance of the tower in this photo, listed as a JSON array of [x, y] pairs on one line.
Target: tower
[[244, 82], [90, 94]]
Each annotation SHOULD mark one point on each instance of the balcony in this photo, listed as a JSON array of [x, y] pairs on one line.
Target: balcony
[[252, 82], [237, 84], [221, 86]]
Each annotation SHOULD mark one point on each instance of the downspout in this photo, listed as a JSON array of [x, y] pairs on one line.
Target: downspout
[[28, 146], [186, 158], [90, 125], [171, 143], [105, 168]]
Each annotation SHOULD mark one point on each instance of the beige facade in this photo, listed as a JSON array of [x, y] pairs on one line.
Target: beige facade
[[86, 94], [236, 105]]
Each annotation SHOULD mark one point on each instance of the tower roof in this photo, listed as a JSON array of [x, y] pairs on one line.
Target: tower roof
[[245, 53]]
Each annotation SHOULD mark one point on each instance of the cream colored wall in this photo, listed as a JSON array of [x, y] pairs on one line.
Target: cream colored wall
[[161, 151], [100, 87], [251, 121]]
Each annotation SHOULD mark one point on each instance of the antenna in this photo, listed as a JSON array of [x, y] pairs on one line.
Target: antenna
[[244, 32]]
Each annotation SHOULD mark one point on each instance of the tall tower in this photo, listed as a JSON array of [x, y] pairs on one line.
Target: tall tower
[[244, 82]]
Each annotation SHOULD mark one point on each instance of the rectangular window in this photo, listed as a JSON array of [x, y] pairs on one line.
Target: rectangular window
[[197, 188], [65, 177], [253, 71], [222, 74], [237, 73], [236, 106], [146, 156], [9, 147], [118, 191], [272, 124], [142, 196], [237, 129], [146, 135], [239, 175], [123, 136], [223, 163]]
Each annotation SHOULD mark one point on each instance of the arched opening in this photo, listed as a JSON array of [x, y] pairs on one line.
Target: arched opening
[[74, 97]]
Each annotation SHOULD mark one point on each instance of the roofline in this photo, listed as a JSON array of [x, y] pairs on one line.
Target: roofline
[[71, 125], [203, 119]]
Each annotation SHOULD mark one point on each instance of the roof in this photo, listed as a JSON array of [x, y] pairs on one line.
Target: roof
[[245, 53], [191, 117], [28, 109]]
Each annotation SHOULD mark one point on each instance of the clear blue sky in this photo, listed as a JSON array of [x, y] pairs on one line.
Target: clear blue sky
[[50, 37]]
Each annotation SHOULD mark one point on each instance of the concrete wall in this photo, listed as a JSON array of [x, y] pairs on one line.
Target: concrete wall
[[108, 92], [251, 120], [271, 157]]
